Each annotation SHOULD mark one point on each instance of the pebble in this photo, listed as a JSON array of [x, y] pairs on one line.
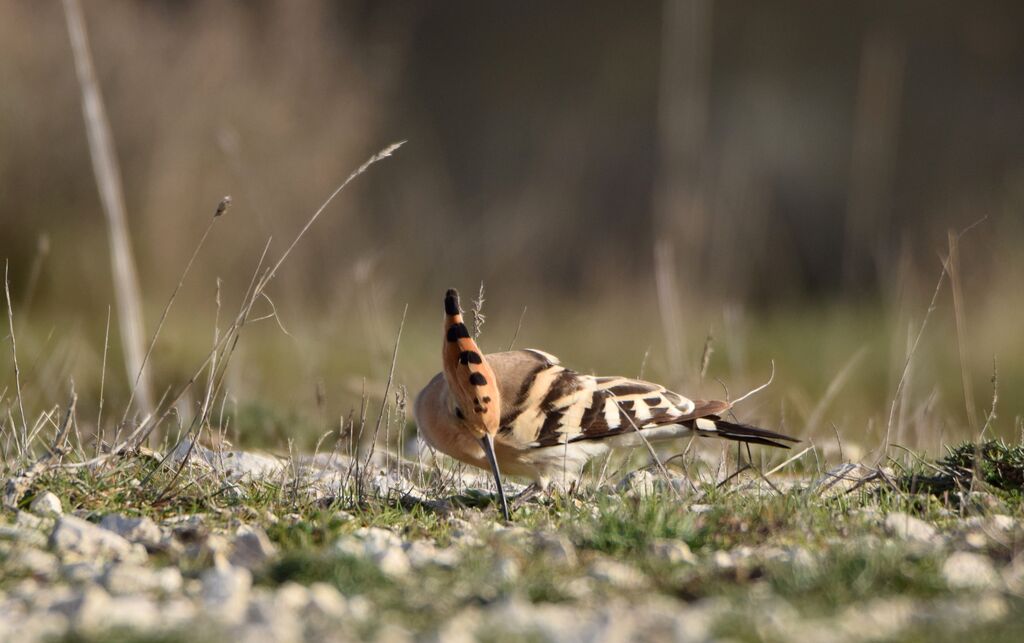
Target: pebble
[[129, 579], [640, 482], [225, 592], [617, 574], [966, 570], [907, 527], [555, 548], [46, 504], [74, 537], [251, 548], [422, 553], [672, 551], [381, 546], [326, 601], [138, 529]]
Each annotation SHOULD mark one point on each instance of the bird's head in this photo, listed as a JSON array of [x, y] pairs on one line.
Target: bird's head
[[472, 384]]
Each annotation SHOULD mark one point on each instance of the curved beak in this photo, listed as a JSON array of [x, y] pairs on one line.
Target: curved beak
[[487, 442]]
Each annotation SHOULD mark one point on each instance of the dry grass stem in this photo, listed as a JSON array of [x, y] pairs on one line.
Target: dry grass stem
[[108, 180], [14, 357]]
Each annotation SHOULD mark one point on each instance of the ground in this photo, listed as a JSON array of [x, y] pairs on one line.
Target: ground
[[260, 548]]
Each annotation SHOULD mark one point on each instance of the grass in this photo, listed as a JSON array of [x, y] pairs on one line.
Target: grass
[[849, 561]]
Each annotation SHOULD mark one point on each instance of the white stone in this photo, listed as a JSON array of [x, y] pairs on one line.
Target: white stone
[[505, 569], [325, 600], [251, 548], [225, 593], [266, 622], [966, 570], [29, 560], [672, 551], [722, 560], [292, 596], [129, 579], [138, 529], [385, 549], [89, 610], [638, 483], [33, 522], [26, 536], [1002, 522], [82, 571], [615, 573], [976, 539], [555, 548], [422, 553], [132, 612], [75, 537], [843, 479], [907, 527], [233, 464], [46, 504]]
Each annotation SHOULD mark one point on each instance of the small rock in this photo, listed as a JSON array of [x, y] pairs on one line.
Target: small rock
[[187, 528], [177, 612], [129, 579], [35, 562], [225, 591], [1002, 522], [87, 609], [72, 536], [327, 601], [342, 516], [907, 527], [422, 553], [82, 572], [843, 479], [505, 569], [638, 483], [27, 537], [379, 545], [1013, 575], [265, 621], [722, 560], [976, 540], [131, 612], [292, 596], [33, 522], [966, 570], [615, 573], [512, 535], [251, 548], [464, 533], [385, 549], [555, 548], [672, 551], [138, 529], [46, 504]]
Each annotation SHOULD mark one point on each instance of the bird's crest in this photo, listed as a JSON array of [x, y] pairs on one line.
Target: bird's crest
[[470, 378]]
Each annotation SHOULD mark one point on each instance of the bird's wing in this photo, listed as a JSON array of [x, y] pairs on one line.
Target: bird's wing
[[550, 404]]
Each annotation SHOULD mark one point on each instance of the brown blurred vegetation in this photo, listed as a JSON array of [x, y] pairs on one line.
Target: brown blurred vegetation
[[799, 163]]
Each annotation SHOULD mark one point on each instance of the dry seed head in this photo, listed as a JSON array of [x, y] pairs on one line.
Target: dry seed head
[[223, 206]]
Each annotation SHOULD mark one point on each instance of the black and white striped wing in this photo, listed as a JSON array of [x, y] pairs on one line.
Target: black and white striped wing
[[557, 405]]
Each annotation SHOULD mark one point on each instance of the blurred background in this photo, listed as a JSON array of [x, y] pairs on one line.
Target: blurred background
[[688, 190]]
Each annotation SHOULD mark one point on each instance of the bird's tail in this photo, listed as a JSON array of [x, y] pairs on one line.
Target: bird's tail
[[713, 426]]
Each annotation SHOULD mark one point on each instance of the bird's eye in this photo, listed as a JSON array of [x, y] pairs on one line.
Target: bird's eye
[[458, 413]]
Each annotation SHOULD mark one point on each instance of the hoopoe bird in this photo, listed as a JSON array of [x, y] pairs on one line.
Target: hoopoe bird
[[522, 413]]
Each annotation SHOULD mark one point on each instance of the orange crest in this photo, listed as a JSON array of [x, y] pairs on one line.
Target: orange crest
[[470, 378]]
